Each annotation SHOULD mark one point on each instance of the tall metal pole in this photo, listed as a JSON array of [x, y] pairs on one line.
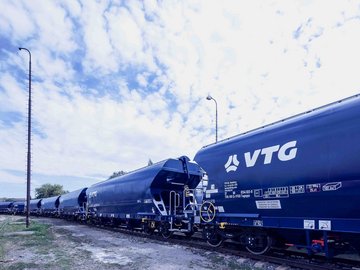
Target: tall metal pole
[[28, 178], [216, 122], [216, 116]]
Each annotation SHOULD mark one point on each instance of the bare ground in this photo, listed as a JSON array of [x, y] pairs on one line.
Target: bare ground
[[58, 244]]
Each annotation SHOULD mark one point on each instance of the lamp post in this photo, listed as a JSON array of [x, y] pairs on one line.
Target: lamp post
[[216, 117], [28, 178]]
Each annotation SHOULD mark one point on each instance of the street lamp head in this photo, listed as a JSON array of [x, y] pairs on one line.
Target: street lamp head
[[216, 113], [21, 48]]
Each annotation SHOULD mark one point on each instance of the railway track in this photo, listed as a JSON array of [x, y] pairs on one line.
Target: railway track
[[277, 257]]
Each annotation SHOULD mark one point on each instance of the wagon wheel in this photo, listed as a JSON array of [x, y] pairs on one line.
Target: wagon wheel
[[259, 244], [215, 241], [213, 238], [147, 229], [129, 225], [165, 230]]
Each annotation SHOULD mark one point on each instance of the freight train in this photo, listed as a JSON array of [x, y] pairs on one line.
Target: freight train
[[16, 207], [295, 182]]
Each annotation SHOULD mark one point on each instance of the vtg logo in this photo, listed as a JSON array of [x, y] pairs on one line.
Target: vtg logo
[[232, 163], [284, 153]]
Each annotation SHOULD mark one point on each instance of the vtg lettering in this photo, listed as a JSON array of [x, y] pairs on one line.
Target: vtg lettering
[[284, 153]]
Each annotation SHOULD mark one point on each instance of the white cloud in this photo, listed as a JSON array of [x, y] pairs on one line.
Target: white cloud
[[13, 147], [337, 53], [49, 68], [6, 177], [142, 79], [125, 35], [99, 56], [73, 7], [261, 61], [15, 21], [54, 29], [14, 95]]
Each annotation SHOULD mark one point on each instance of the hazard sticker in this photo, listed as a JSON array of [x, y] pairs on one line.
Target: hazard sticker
[[309, 224], [325, 225]]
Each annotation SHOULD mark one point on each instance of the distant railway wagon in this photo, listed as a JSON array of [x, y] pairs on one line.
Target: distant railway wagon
[[296, 180], [35, 206], [73, 204], [50, 206], [159, 195], [18, 207], [5, 207]]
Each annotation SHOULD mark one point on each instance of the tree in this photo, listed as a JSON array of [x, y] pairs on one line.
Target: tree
[[115, 174], [150, 162], [49, 190], [5, 199]]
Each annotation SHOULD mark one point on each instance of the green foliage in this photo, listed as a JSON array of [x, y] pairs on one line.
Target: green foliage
[[115, 174], [5, 199], [49, 190]]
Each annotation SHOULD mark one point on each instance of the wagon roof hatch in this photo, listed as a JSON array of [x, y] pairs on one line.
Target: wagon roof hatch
[[171, 175]]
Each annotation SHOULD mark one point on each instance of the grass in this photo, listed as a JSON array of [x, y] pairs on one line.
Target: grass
[[40, 241], [232, 264], [21, 266], [217, 259], [44, 249], [42, 236], [2, 251], [70, 236], [40, 245]]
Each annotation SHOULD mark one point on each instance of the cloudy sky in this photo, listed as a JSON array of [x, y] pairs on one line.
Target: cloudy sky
[[118, 82]]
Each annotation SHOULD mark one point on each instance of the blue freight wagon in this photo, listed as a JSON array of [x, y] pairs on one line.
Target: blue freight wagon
[[297, 179], [5, 207], [35, 206], [72, 205], [154, 197], [50, 206], [18, 207]]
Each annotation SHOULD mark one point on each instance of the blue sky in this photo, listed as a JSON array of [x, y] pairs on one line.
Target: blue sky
[[118, 82]]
